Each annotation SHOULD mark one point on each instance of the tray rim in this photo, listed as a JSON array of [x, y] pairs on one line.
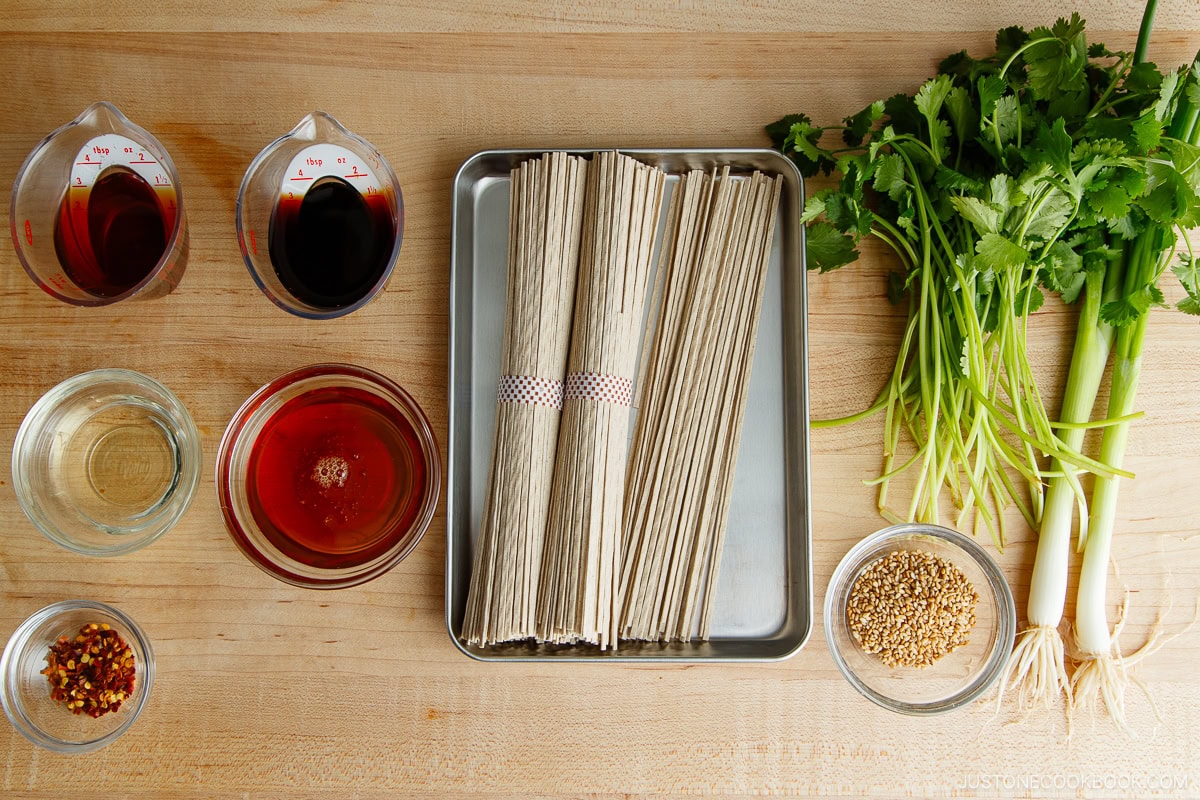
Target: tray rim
[[792, 360]]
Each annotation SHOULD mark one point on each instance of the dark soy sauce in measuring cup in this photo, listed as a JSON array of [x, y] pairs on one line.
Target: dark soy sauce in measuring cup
[[332, 245], [110, 237]]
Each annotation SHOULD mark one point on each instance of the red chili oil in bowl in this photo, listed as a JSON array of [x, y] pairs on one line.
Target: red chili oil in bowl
[[328, 476]]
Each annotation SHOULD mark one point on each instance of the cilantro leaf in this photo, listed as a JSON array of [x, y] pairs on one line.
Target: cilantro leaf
[[804, 138], [932, 95], [1142, 78], [802, 141], [855, 169], [1147, 132], [1098, 148], [1123, 227], [1192, 89], [1166, 96], [1053, 146], [890, 176], [964, 119], [1109, 202], [1001, 190], [860, 124], [983, 216], [1071, 105], [998, 253], [1031, 180], [1006, 118], [828, 249], [1189, 305], [1126, 309], [1052, 215], [907, 217], [1009, 40], [990, 89], [954, 181], [814, 206], [903, 114], [1070, 30], [1055, 59], [1188, 273], [958, 64], [780, 129], [1028, 300], [1134, 181], [1156, 296], [1064, 271], [845, 214], [1185, 157], [929, 101], [1169, 198]]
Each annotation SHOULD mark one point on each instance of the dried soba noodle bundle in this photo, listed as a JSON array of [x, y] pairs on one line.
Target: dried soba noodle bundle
[[694, 387], [546, 217], [578, 599]]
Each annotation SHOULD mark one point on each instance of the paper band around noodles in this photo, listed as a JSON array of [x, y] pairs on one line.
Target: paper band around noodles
[[531, 390], [601, 388]]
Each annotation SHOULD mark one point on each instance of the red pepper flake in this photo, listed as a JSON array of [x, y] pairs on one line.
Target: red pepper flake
[[91, 673]]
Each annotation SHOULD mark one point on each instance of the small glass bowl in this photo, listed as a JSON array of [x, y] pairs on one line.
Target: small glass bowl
[[382, 445], [106, 462], [960, 676], [26, 691]]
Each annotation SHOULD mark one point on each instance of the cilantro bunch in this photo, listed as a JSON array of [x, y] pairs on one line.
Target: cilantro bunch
[[1002, 177]]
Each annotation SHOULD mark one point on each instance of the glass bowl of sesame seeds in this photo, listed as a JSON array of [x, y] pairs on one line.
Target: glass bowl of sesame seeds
[[919, 619], [76, 675]]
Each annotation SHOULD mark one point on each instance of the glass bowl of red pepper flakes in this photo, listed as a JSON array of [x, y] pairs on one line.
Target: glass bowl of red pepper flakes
[[76, 675]]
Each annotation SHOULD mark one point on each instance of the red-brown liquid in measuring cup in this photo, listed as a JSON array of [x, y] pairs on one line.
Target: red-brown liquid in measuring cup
[[334, 477], [332, 245], [110, 237]]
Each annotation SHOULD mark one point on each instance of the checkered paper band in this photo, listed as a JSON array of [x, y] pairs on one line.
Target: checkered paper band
[[601, 388], [531, 390]]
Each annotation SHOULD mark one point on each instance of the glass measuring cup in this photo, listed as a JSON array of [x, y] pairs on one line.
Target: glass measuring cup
[[320, 218], [97, 212]]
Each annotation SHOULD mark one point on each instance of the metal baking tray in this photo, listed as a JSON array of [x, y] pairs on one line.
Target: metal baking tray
[[762, 609]]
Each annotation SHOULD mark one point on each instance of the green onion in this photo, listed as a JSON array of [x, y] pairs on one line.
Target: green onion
[[1158, 184]]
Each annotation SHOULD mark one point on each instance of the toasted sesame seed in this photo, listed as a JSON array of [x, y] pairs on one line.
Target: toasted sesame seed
[[911, 608]]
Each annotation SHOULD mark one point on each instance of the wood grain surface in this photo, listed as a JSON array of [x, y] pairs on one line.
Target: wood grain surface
[[265, 690]]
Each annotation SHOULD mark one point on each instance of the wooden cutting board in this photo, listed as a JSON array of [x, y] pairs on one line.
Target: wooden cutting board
[[264, 690]]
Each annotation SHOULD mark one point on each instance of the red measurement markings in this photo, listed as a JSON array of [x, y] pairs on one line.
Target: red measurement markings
[[253, 244], [89, 164], [28, 233], [358, 175], [300, 179], [143, 161]]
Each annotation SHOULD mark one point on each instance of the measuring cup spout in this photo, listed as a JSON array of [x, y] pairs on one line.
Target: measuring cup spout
[[103, 117], [319, 126]]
